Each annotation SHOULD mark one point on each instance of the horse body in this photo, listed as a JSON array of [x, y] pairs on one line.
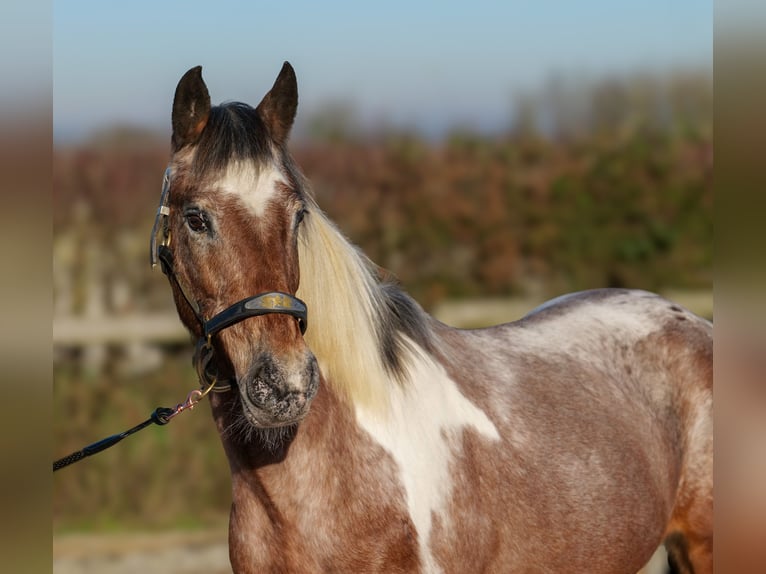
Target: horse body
[[536, 460], [573, 440]]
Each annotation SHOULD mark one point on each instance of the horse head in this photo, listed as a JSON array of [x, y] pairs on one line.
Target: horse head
[[232, 209]]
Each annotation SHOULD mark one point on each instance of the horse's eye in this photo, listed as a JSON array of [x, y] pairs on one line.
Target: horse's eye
[[299, 217], [196, 221]]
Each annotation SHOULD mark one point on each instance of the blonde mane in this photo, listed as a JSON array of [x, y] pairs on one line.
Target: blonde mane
[[349, 312]]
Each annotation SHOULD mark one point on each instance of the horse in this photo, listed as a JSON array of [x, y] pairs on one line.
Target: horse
[[363, 435]]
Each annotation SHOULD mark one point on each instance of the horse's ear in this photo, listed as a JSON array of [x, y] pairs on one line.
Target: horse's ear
[[278, 107], [191, 108]]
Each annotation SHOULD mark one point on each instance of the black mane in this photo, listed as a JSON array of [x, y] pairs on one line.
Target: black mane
[[401, 315], [234, 131]]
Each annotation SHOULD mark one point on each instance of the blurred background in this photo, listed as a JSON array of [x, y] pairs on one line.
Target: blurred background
[[490, 155]]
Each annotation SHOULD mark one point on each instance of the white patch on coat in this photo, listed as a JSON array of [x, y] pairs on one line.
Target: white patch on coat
[[255, 187], [629, 317], [420, 430]]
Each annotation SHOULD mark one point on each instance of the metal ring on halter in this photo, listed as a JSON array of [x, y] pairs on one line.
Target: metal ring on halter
[[203, 361]]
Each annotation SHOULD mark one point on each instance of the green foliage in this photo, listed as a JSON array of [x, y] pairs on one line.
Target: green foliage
[[472, 216], [477, 217], [617, 191]]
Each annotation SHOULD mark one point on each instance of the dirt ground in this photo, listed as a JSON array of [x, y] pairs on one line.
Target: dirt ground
[[170, 553], [166, 553]]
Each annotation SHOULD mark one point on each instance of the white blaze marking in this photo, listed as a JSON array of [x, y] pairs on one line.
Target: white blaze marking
[[256, 188], [420, 430]]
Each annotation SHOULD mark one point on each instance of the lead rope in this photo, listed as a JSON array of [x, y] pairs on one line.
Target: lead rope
[[161, 415]]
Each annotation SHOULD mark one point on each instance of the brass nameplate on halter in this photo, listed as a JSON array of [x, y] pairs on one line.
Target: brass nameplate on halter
[[271, 301]]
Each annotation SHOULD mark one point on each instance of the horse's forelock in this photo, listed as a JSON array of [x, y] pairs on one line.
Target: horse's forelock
[[234, 133]]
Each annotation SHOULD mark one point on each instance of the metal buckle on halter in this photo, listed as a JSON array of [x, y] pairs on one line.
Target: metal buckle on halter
[[159, 244], [161, 224]]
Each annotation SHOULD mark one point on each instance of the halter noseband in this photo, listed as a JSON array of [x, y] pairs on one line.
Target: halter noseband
[[271, 302]]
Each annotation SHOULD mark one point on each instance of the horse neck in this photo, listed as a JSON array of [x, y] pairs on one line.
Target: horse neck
[[271, 471]]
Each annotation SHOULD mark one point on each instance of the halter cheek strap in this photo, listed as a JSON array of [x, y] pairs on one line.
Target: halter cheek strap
[[165, 256]]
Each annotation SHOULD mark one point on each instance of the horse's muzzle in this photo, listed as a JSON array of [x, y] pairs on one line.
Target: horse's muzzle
[[275, 394]]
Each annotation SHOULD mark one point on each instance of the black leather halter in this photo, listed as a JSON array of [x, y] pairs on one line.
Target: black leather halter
[[271, 302]]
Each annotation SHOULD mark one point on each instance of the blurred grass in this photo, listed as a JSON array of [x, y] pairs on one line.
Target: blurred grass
[[171, 476]]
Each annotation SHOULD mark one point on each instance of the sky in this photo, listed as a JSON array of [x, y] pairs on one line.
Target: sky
[[430, 65]]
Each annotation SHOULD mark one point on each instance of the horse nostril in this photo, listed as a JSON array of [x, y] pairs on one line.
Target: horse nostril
[[263, 383], [269, 385]]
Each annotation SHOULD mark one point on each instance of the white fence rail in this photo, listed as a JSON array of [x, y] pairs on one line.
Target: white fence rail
[[166, 328]]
